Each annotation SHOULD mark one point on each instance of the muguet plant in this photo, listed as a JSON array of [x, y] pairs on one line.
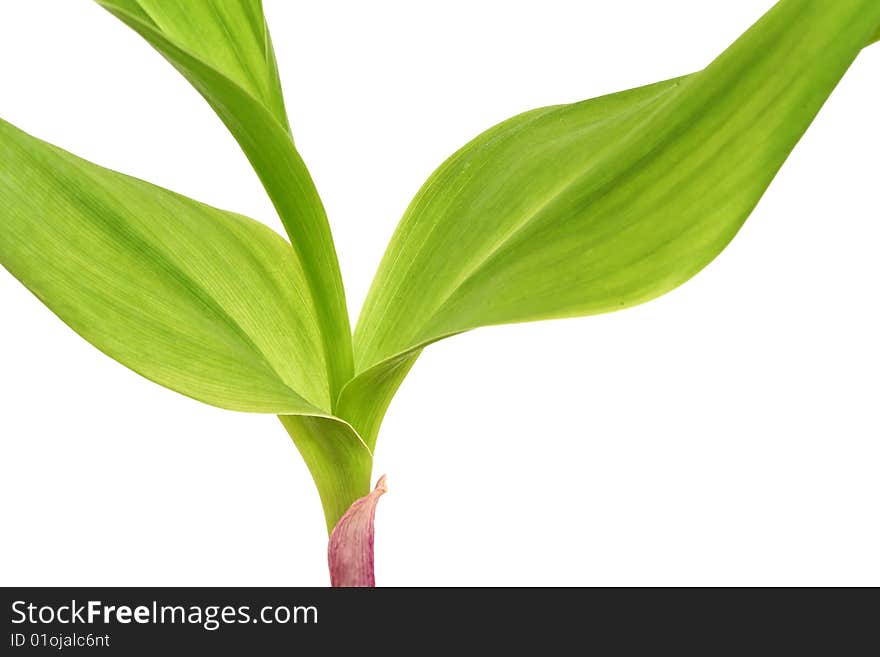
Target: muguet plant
[[562, 211]]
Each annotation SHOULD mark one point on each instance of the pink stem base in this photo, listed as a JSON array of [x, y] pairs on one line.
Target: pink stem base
[[350, 551]]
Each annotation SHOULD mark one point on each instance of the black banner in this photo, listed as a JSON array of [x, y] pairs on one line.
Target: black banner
[[246, 621]]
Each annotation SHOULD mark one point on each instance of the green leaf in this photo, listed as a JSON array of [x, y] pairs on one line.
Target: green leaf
[[219, 47], [205, 302], [229, 35], [600, 205], [208, 303]]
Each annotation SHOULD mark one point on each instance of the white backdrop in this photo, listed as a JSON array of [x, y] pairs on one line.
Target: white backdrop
[[727, 433]]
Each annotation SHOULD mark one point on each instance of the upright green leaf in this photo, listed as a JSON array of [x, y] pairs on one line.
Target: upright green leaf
[[600, 205], [223, 48], [230, 35]]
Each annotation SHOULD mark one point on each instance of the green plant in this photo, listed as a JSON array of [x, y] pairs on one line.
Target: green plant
[[561, 211]]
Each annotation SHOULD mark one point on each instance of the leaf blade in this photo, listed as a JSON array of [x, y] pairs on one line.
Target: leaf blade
[[456, 261], [592, 207], [230, 35], [204, 302]]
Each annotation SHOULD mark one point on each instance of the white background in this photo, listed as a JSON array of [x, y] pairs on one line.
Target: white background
[[725, 434]]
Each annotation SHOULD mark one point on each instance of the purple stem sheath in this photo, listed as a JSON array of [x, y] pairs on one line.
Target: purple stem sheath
[[350, 551]]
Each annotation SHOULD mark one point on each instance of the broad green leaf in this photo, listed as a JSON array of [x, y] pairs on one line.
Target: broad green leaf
[[205, 302], [218, 46], [600, 205]]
